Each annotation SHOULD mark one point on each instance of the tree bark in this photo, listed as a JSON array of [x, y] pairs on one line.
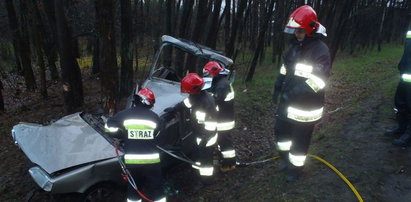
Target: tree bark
[[2, 109], [184, 27], [25, 53], [49, 45], [126, 71], [201, 20], [15, 33], [70, 71], [108, 59], [260, 44], [211, 40], [238, 17], [38, 43]]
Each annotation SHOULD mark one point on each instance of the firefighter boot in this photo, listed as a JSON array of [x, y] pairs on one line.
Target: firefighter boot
[[400, 129], [405, 138], [293, 173], [228, 164], [283, 161]]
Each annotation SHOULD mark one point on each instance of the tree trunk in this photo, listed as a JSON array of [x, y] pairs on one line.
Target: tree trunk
[[38, 37], [25, 53], [1, 97], [126, 71], [108, 59], [70, 71], [49, 45], [169, 24], [238, 17], [201, 20], [227, 23], [184, 27], [14, 26], [211, 40], [260, 44]]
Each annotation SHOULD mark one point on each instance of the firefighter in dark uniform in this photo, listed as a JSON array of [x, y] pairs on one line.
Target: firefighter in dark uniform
[[203, 120], [139, 126], [223, 94], [403, 98], [300, 87]]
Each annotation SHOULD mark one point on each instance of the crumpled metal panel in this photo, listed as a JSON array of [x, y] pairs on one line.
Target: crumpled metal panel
[[167, 94], [67, 142]]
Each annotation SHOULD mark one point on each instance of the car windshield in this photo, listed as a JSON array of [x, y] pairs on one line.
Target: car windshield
[[173, 63]]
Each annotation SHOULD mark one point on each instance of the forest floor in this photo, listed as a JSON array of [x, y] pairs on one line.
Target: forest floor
[[350, 137]]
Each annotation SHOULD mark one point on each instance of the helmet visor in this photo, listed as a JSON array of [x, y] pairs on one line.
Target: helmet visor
[[289, 30]]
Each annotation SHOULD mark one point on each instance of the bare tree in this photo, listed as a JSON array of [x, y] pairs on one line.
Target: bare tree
[[260, 44], [233, 36], [70, 71], [211, 40], [11, 12], [25, 53], [126, 71], [108, 58]]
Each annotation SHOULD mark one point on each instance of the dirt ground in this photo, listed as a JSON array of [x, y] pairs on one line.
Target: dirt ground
[[376, 168]]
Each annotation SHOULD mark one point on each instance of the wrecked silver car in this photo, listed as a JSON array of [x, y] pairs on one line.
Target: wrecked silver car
[[74, 155]]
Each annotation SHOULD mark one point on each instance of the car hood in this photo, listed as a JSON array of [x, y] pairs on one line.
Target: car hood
[[167, 93], [67, 142]]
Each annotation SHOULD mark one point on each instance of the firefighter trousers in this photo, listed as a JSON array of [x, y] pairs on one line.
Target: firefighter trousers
[[149, 180]]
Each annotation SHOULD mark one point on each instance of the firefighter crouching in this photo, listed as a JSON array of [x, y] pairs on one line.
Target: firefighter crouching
[[223, 94], [138, 126], [203, 120], [300, 86], [403, 98]]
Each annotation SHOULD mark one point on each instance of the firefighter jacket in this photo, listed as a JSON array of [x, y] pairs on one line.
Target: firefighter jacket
[[405, 63], [302, 79], [138, 126], [203, 116], [223, 94]]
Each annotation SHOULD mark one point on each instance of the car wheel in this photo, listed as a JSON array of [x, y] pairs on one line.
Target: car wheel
[[101, 192]]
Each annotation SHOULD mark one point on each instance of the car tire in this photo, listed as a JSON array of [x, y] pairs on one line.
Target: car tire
[[102, 192]]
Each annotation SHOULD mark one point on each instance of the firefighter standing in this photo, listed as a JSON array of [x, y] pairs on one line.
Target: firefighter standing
[[300, 87], [223, 94], [403, 98], [138, 126], [203, 120]]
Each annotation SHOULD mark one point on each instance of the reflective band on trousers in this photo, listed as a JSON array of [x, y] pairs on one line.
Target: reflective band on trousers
[[204, 171], [210, 142], [225, 126], [304, 116], [316, 83], [210, 125], [228, 154], [142, 158], [131, 200], [110, 129], [187, 103], [284, 146], [406, 77], [303, 70], [230, 95], [283, 70], [200, 116], [297, 160], [409, 35], [139, 124]]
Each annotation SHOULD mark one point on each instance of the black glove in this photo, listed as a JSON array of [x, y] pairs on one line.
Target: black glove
[[276, 94]]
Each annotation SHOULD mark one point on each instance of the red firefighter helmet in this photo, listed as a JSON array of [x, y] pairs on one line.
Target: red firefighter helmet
[[212, 68], [304, 17], [146, 97], [192, 83]]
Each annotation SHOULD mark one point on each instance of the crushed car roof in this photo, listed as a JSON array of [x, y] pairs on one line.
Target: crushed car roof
[[197, 49]]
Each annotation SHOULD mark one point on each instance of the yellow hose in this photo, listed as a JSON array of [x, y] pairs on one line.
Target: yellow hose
[[339, 174]]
